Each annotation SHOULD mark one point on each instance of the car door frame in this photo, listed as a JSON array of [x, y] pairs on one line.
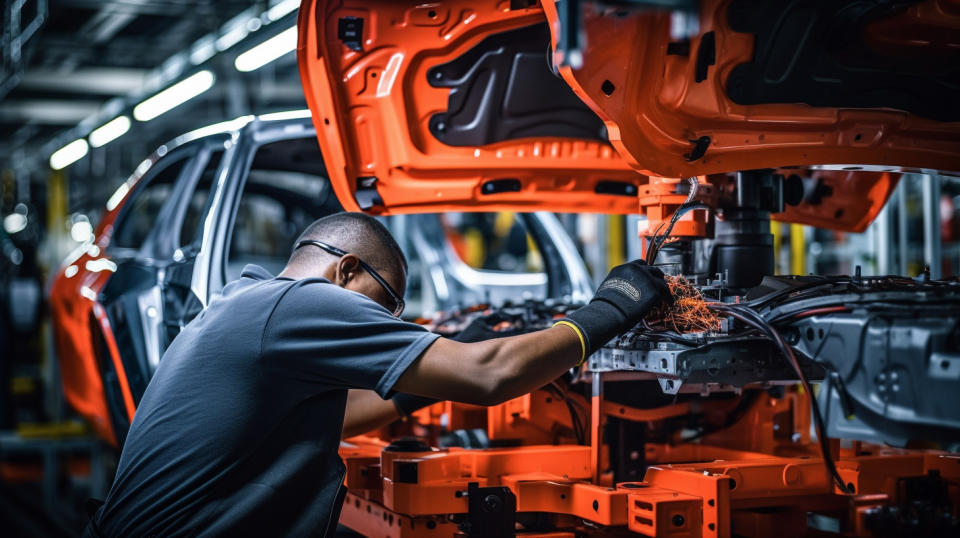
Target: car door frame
[[210, 269]]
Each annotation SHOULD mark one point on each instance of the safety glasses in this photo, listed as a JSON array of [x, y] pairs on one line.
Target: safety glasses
[[398, 304]]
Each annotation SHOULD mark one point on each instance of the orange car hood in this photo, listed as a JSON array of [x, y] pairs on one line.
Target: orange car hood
[[368, 68], [667, 101], [367, 86]]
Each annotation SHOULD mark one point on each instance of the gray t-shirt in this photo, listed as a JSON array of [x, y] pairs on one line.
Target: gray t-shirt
[[238, 431]]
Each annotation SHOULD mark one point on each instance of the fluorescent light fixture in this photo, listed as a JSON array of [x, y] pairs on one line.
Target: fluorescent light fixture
[[232, 37], [268, 51], [285, 115], [203, 49], [174, 96], [69, 154], [282, 8], [109, 131]]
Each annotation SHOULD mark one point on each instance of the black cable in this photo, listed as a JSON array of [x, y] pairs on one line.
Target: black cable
[[578, 429], [732, 417], [753, 319], [578, 425], [886, 282], [658, 239]]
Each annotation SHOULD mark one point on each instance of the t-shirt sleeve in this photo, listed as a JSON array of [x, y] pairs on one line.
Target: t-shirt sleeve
[[321, 336]]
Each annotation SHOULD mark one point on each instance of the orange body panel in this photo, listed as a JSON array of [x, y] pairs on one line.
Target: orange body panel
[[73, 313], [656, 109], [371, 111], [856, 200], [78, 318]]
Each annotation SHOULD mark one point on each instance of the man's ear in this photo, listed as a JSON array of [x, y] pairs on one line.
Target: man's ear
[[348, 268]]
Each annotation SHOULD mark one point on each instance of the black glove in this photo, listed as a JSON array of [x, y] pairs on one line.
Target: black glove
[[628, 293], [481, 328]]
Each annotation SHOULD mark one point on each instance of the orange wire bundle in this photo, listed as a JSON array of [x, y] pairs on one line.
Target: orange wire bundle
[[688, 313]]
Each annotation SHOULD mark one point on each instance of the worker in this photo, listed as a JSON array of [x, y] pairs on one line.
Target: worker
[[238, 431]]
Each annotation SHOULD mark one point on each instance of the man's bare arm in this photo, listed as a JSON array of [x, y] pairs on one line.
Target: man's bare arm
[[493, 371], [484, 372], [367, 411]]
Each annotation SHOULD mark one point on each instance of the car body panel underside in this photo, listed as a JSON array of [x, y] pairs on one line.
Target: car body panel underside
[[461, 106]]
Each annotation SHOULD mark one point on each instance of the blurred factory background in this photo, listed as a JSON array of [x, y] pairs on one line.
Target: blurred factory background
[[89, 88]]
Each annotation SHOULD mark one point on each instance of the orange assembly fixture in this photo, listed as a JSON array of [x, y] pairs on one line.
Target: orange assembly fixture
[[759, 475]]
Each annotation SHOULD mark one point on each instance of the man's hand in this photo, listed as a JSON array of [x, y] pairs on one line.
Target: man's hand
[[634, 288], [628, 293]]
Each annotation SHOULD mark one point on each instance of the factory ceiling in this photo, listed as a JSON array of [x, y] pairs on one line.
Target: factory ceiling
[[69, 66]]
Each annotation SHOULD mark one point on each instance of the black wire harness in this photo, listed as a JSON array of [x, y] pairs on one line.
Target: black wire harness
[[659, 238], [754, 320]]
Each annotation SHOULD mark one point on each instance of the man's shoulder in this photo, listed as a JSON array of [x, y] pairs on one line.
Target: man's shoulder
[[318, 296]]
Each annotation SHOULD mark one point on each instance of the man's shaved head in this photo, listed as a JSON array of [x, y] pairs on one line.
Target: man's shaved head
[[356, 233]]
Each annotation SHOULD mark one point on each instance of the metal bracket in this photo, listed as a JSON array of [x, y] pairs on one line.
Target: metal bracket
[[493, 512], [366, 194]]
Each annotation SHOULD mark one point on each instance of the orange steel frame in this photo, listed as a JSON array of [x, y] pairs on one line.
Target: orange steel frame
[[761, 476], [855, 199]]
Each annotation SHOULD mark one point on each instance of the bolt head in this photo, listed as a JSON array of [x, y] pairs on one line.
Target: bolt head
[[492, 503]]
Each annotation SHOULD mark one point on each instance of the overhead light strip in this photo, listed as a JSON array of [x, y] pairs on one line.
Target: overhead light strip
[[201, 51], [174, 96], [232, 37], [109, 132], [69, 154], [282, 8], [283, 43]]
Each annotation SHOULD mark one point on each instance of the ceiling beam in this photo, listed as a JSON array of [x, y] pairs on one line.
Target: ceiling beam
[[135, 7], [96, 80], [50, 112]]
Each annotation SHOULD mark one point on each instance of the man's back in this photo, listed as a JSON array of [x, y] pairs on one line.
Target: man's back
[[238, 431]]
